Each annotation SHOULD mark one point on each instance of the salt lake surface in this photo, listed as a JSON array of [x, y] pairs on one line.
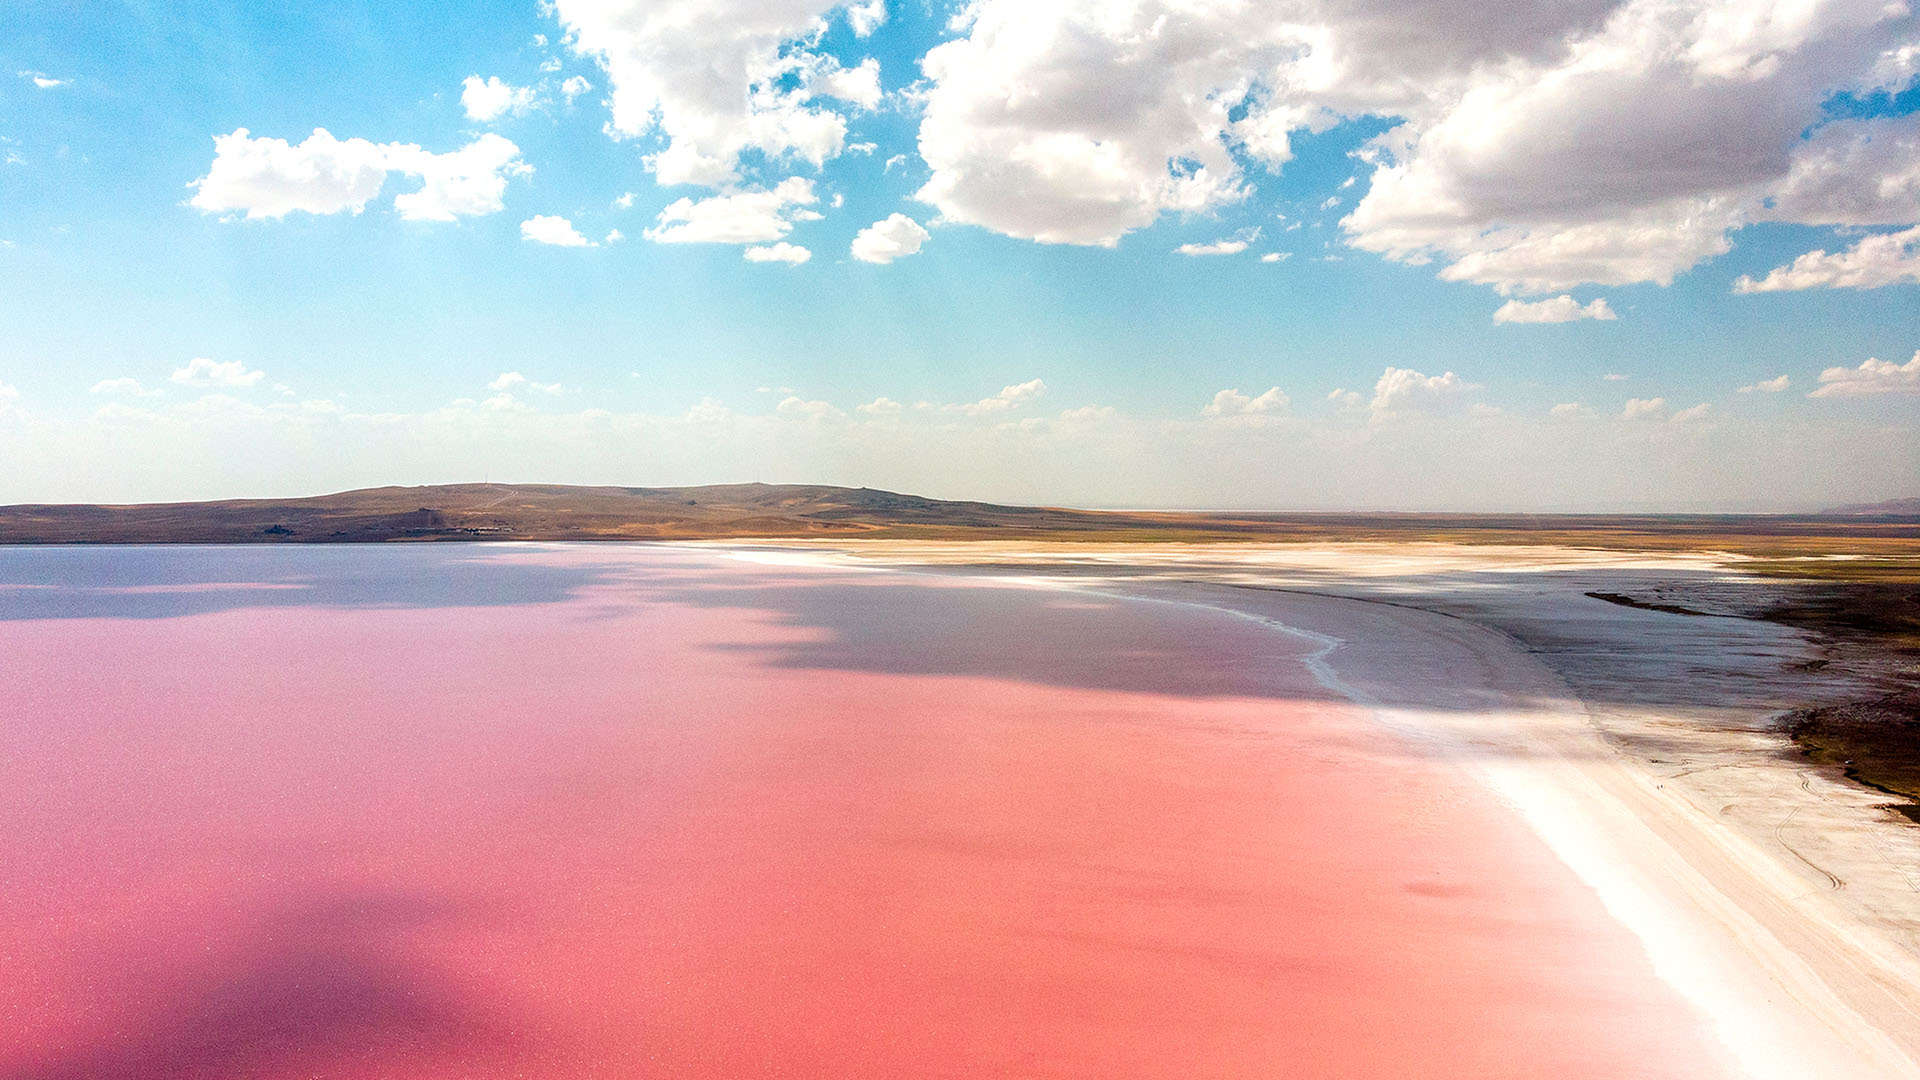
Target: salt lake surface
[[633, 811]]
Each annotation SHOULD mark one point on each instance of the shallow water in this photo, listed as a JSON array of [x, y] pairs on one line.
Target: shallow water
[[572, 811]]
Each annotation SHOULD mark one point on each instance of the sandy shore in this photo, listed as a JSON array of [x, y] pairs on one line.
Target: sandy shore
[[1780, 900]]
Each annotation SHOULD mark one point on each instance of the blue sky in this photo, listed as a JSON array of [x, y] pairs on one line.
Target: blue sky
[[109, 113]]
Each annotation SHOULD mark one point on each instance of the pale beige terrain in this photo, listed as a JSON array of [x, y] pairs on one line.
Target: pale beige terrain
[[1780, 898]]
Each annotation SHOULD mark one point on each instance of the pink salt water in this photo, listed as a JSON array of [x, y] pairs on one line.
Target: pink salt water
[[645, 812]]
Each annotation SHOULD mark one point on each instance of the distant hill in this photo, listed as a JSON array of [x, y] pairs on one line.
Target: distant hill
[[1890, 508], [749, 511]]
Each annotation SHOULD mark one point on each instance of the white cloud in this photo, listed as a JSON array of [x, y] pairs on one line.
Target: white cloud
[[509, 381], [1614, 376], [1080, 121], [1088, 414], [858, 85], [1644, 409], [895, 237], [1228, 403], [865, 16], [1873, 262], [122, 387], [1276, 256], [1538, 147], [201, 371], [489, 99], [43, 80], [468, 182], [624, 202], [614, 236], [742, 217], [270, 178], [1232, 245], [550, 229], [880, 406], [1688, 415], [1873, 376], [1570, 410], [714, 78], [1559, 309], [574, 86], [1854, 172], [802, 409], [1767, 386], [1629, 154], [9, 399], [783, 252], [1009, 398], [1404, 390]]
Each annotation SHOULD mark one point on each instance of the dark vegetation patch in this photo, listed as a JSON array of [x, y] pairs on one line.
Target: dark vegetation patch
[[1876, 742], [1886, 613], [1645, 605]]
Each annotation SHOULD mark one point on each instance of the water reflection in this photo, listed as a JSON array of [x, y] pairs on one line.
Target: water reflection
[[172, 581]]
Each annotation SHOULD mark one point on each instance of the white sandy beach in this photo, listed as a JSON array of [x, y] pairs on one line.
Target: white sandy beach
[[1779, 899]]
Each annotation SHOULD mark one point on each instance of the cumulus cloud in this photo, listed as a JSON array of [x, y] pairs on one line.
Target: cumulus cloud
[[894, 237], [1854, 172], [1767, 386], [1688, 415], [1537, 147], [468, 182], [865, 16], [800, 408], [573, 86], [491, 98], [1559, 309], [1234, 403], [1644, 409], [270, 178], [1232, 245], [201, 371], [44, 81], [783, 252], [123, 387], [1570, 410], [880, 406], [717, 78], [550, 229], [1626, 156], [509, 381], [1078, 122], [1404, 390], [1873, 262], [1009, 398], [1872, 377], [858, 85], [741, 217]]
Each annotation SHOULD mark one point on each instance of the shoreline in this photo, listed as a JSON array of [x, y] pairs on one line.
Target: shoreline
[[1794, 977]]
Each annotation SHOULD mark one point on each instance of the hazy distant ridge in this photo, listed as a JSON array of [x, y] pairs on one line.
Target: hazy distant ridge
[[1892, 507], [748, 511]]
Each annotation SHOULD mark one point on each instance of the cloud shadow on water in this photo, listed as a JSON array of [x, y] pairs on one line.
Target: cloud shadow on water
[[325, 980]]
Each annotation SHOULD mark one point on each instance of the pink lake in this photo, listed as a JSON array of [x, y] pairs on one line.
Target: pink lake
[[627, 811]]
